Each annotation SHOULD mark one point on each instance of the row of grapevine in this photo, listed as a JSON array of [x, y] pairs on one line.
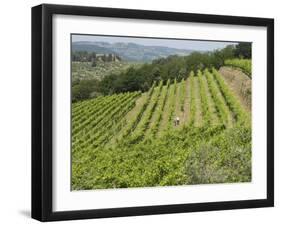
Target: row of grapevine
[[244, 64], [206, 113], [93, 110], [95, 119], [92, 120], [79, 109], [239, 113], [131, 127], [192, 103], [171, 109], [143, 124], [97, 134], [117, 122], [90, 111], [159, 111], [182, 94], [78, 106], [220, 105]]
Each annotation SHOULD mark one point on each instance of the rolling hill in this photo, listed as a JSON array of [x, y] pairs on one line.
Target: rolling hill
[[129, 51]]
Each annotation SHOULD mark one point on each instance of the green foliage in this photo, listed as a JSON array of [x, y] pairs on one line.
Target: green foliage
[[172, 67], [204, 100], [223, 159], [171, 109], [127, 81], [97, 70], [84, 90], [98, 126], [138, 117], [82, 110], [85, 56], [82, 56], [243, 50], [192, 99], [239, 113], [192, 154], [220, 106], [182, 94], [159, 110], [142, 126], [244, 64]]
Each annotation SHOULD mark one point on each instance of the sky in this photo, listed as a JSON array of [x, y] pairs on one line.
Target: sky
[[179, 44]]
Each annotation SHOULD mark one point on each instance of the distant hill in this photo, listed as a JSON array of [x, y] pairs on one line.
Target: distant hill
[[129, 51]]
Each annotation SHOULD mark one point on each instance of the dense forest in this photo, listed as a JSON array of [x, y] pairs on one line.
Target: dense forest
[[162, 69]]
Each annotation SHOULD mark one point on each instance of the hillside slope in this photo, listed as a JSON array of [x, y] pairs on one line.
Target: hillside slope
[[130, 139], [239, 83]]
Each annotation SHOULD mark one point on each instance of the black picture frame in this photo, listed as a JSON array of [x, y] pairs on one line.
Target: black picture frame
[[42, 111]]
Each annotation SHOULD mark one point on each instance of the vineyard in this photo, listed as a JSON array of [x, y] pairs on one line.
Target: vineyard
[[243, 64], [131, 139]]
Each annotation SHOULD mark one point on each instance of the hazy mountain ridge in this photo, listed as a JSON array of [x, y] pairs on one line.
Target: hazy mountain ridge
[[129, 51]]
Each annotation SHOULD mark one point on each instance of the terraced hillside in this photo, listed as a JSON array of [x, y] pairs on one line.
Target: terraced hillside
[[131, 140]]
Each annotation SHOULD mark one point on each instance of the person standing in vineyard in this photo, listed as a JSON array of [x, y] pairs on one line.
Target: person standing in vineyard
[[177, 121]]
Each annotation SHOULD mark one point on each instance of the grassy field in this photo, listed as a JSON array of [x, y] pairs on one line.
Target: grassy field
[[130, 139]]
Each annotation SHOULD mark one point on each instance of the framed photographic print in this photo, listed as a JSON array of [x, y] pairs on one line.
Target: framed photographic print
[[145, 112]]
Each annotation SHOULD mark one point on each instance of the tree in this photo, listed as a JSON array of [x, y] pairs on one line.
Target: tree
[[82, 90], [244, 50]]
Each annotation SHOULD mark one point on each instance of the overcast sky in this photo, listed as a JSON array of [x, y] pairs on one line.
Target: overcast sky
[[180, 44]]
